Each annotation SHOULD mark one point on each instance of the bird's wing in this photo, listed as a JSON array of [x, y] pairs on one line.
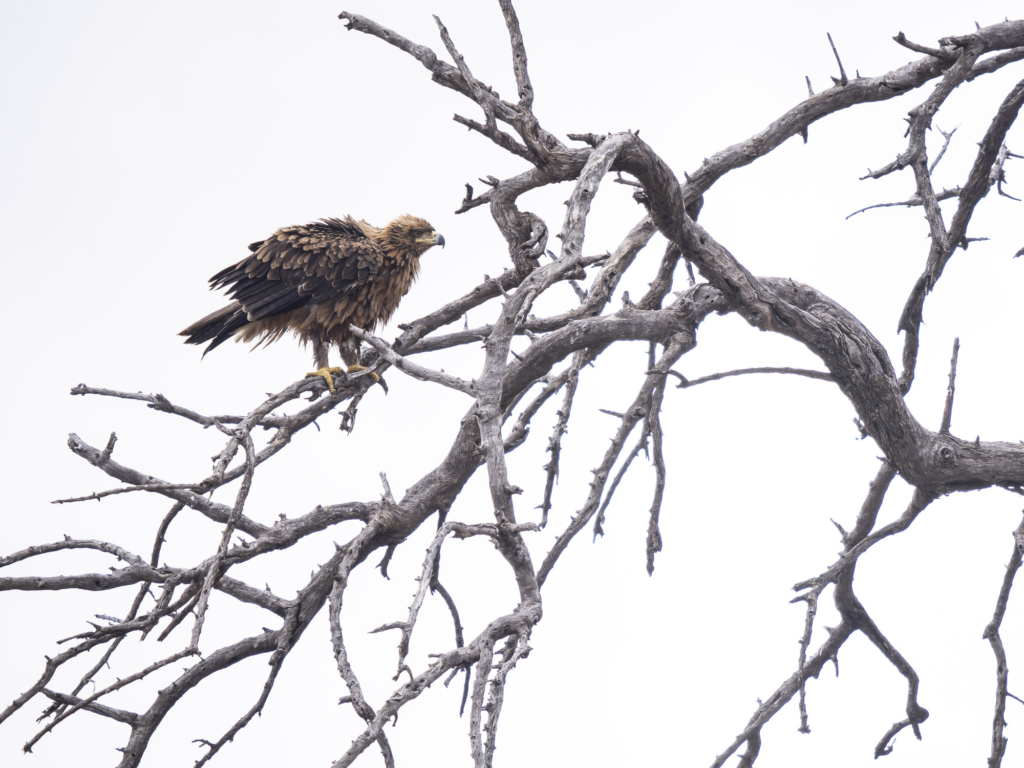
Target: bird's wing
[[299, 266]]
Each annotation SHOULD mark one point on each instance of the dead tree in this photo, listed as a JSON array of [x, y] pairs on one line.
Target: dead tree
[[696, 277]]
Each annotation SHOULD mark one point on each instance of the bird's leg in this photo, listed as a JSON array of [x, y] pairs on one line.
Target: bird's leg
[[350, 354], [320, 361]]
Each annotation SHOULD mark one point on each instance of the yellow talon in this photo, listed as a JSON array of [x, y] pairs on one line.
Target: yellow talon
[[357, 368], [327, 373]]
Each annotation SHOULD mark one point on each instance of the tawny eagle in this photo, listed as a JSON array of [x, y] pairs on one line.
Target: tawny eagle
[[316, 280]]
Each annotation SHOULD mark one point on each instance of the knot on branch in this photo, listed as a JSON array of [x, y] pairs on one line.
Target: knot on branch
[[945, 455], [387, 514], [642, 198]]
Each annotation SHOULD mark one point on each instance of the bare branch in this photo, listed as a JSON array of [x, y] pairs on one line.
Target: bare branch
[[945, 145], [214, 571], [944, 244], [862, 90], [555, 443], [83, 703], [992, 635], [68, 543], [657, 438], [412, 369], [518, 55], [676, 348], [685, 383], [947, 54], [843, 80], [947, 412], [910, 202], [122, 716], [97, 496]]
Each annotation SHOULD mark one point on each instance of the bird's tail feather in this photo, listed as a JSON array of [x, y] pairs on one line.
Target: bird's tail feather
[[218, 326]]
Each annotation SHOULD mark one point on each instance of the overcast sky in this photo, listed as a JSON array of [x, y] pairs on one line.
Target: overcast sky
[[144, 145]]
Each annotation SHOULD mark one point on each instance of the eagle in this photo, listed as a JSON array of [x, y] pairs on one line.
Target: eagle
[[315, 280]]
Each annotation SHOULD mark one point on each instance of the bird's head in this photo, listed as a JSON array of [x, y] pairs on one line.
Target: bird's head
[[411, 234]]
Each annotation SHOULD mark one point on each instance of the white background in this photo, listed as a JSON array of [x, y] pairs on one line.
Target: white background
[[144, 145]]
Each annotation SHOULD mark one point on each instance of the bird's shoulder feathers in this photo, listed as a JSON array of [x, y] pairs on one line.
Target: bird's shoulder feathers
[[302, 265]]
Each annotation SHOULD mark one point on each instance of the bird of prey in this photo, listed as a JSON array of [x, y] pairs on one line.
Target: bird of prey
[[316, 280]]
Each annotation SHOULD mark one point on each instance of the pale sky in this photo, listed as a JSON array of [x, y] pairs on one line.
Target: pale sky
[[145, 145]]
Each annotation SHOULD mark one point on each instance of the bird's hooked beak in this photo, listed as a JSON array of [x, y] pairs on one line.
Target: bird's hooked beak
[[438, 239]]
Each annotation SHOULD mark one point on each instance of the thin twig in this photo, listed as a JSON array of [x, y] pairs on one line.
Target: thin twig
[[685, 383], [555, 443], [214, 571], [654, 428], [947, 411], [843, 80], [945, 194], [114, 491], [945, 146], [992, 635]]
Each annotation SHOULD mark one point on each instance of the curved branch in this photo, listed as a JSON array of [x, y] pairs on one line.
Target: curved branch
[[992, 635], [945, 244], [685, 383], [862, 90]]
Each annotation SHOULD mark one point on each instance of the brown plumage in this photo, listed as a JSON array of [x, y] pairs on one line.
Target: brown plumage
[[315, 280]]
